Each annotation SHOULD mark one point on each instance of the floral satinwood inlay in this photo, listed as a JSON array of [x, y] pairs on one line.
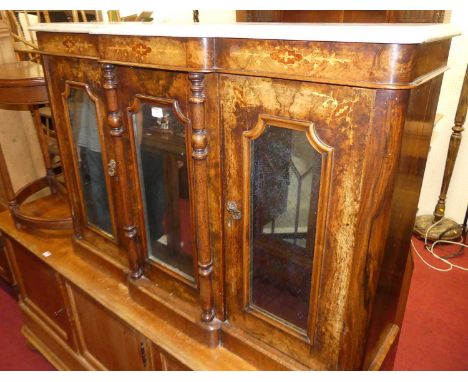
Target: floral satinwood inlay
[[286, 56], [77, 46], [69, 43], [141, 49]]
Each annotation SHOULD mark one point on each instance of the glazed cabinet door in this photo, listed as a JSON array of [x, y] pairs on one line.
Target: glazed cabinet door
[[78, 102], [105, 341], [157, 135], [294, 154]]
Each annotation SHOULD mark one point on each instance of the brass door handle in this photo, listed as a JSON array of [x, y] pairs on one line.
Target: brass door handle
[[111, 167], [233, 210]]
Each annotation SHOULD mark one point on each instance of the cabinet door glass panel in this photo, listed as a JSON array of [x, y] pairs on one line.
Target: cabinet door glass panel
[[83, 119], [161, 150], [284, 183]]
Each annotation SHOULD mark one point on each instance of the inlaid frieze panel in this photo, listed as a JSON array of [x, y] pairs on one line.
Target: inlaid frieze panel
[[73, 44], [177, 53]]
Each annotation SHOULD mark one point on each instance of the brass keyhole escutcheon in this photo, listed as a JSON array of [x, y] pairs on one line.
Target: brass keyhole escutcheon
[[111, 167], [233, 210]]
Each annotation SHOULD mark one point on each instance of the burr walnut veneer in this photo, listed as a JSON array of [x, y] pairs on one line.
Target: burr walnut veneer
[[239, 201]]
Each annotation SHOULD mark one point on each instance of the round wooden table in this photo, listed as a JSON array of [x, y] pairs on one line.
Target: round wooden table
[[23, 83]]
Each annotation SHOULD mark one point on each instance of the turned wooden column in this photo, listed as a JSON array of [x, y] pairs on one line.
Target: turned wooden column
[[114, 120], [200, 182]]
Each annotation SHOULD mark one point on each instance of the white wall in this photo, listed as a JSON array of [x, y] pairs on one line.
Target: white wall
[[457, 197]]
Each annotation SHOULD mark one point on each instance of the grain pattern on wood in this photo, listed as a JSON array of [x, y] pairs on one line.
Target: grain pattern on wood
[[109, 294], [65, 75], [363, 111], [169, 53], [116, 130], [367, 65], [386, 340], [200, 176], [414, 147], [339, 119], [76, 44]]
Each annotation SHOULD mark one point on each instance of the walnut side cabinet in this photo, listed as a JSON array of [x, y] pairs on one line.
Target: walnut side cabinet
[[238, 202]]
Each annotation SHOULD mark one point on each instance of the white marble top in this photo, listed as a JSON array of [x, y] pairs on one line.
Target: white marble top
[[369, 33]]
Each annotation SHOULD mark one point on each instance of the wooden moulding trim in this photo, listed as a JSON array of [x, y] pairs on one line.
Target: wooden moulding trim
[[43, 349], [382, 348], [44, 318], [134, 108], [326, 153], [259, 353], [176, 311], [52, 335], [45, 53], [34, 222], [161, 67], [100, 258], [74, 157], [23, 83], [362, 84]]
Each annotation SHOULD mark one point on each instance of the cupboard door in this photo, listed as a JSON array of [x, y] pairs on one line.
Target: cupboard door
[[293, 161], [159, 138], [107, 342], [78, 102], [41, 290], [87, 143]]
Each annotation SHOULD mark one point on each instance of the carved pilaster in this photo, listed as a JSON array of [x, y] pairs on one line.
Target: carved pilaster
[[199, 143], [114, 120]]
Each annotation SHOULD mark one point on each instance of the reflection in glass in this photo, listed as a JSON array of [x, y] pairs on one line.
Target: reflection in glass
[[160, 143], [83, 120], [285, 183]]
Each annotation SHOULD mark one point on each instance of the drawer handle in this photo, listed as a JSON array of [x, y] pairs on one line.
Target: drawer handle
[[58, 312]]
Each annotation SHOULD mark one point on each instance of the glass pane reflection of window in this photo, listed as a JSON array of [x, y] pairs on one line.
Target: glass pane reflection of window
[[160, 143], [83, 119], [285, 182]]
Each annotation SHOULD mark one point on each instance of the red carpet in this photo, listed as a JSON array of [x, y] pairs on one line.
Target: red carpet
[[14, 353], [434, 334]]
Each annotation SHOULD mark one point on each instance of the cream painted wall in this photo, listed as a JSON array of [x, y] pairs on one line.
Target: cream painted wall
[[457, 197]]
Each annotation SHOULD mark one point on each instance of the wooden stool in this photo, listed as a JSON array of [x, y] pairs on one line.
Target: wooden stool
[[23, 83]]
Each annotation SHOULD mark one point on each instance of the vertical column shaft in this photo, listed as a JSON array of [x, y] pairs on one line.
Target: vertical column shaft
[[114, 120], [199, 144]]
